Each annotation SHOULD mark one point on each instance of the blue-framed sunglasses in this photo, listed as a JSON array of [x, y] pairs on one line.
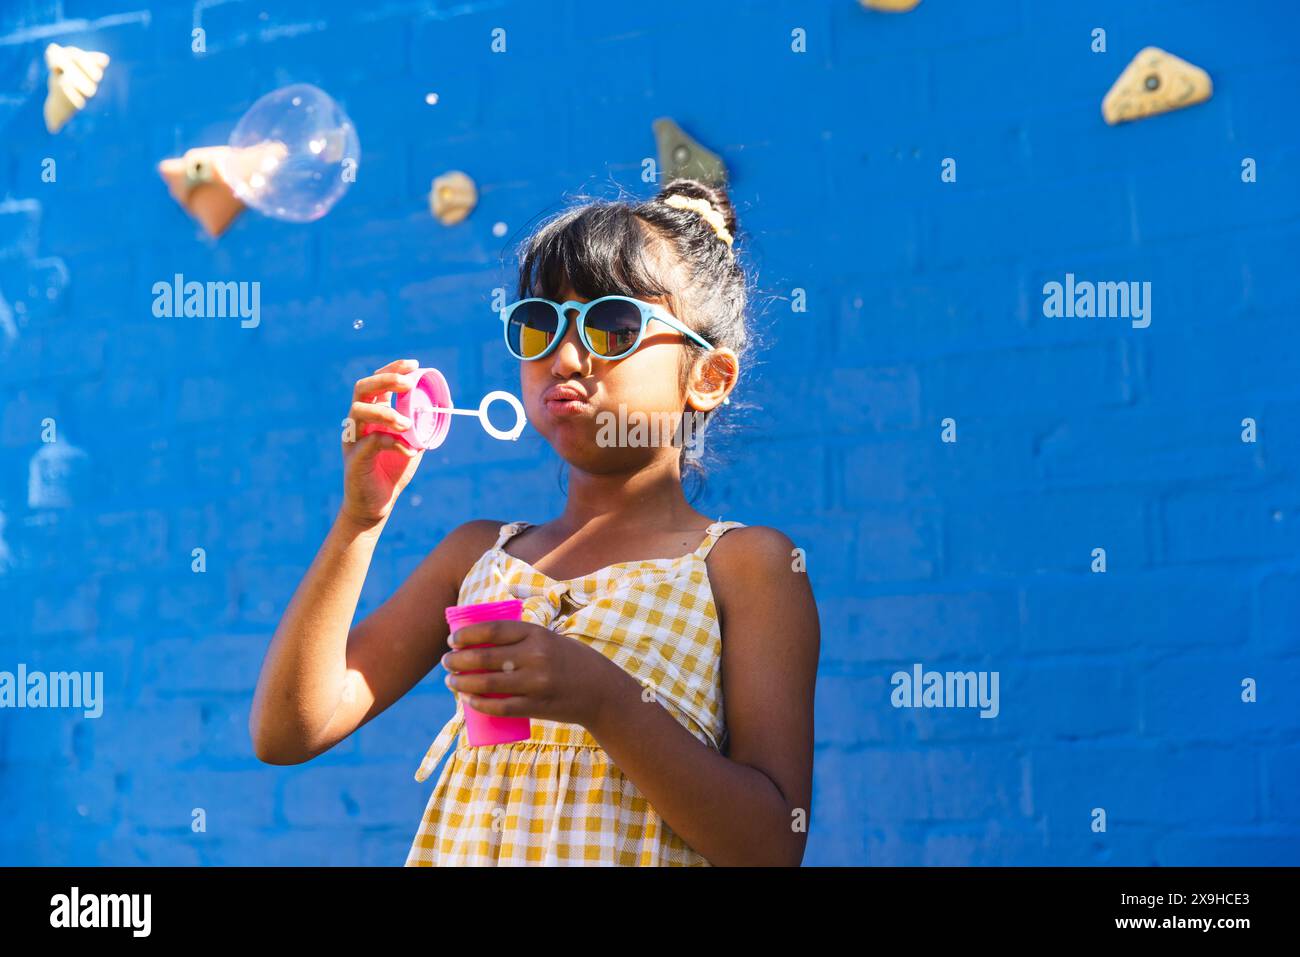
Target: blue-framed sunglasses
[[610, 327]]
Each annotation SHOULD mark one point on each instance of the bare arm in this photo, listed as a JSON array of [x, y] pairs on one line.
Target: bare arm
[[751, 805], [322, 680], [304, 672]]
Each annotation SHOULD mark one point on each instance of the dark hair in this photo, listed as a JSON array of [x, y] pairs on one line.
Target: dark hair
[[605, 247]]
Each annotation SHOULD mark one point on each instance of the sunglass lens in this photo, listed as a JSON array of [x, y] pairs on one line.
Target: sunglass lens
[[530, 328], [612, 327]]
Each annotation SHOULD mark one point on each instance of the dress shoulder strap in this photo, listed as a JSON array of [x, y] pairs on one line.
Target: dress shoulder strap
[[715, 531], [509, 531]]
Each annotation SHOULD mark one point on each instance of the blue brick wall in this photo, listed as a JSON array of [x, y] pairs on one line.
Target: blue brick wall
[[924, 302]]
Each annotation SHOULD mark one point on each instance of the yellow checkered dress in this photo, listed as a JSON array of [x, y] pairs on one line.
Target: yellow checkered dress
[[556, 798]]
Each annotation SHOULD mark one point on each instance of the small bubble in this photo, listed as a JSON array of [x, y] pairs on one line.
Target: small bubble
[[358, 324], [499, 229], [416, 500], [431, 99], [1277, 516], [857, 302]]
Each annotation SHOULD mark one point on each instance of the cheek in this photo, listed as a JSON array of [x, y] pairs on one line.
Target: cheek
[[649, 381], [531, 382], [532, 374]]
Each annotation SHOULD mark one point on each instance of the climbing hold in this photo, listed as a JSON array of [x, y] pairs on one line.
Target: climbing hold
[[452, 197], [75, 75], [891, 6], [1155, 82], [679, 155], [196, 181]]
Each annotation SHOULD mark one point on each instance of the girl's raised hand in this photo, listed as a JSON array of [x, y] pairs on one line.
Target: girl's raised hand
[[378, 465]]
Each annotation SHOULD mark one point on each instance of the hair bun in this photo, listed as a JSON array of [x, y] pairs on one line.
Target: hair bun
[[715, 196]]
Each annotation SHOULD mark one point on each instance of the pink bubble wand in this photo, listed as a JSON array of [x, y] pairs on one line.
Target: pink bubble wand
[[429, 408]]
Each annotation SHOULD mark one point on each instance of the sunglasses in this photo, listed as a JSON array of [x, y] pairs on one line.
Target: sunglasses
[[610, 327]]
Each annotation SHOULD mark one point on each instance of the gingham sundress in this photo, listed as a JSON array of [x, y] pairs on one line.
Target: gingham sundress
[[556, 798]]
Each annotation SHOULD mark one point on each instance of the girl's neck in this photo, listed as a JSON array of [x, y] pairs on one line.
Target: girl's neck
[[649, 496]]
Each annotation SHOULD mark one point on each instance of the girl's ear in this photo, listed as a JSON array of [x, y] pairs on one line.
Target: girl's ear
[[712, 377]]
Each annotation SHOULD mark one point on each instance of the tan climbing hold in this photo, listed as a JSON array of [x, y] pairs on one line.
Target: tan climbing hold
[[891, 6], [452, 197], [75, 75], [1155, 82], [198, 183]]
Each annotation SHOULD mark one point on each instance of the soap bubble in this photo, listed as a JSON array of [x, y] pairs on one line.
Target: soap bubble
[[293, 154]]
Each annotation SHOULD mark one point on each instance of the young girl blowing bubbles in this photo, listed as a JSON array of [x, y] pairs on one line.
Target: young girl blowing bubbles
[[639, 612]]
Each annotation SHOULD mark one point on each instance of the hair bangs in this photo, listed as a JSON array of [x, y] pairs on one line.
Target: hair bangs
[[597, 250]]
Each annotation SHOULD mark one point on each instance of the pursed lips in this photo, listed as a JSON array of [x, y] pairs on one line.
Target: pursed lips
[[564, 393], [565, 399]]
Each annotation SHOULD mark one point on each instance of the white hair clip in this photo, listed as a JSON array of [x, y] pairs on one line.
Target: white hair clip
[[706, 211]]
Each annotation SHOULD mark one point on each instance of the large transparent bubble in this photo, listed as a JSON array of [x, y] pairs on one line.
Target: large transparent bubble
[[293, 154]]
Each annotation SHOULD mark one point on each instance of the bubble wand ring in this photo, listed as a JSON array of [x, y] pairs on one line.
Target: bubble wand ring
[[510, 434], [429, 408]]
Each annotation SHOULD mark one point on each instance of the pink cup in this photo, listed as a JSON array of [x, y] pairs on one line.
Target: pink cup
[[482, 728]]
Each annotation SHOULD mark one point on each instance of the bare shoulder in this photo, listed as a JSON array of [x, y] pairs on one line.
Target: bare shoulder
[[750, 564], [438, 577], [465, 543], [757, 549]]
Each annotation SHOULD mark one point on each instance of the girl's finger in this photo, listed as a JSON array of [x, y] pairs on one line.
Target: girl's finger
[[372, 412], [376, 442], [381, 385], [489, 633], [487, 683], [504, 658], [512, 707], [400, 365]]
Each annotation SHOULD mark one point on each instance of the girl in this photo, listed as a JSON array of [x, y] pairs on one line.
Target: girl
[[638, 610]]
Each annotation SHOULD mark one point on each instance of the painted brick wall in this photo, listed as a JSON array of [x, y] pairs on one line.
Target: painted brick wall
[[924, 301]]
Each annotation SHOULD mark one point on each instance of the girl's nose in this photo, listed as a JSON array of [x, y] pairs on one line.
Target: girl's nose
[[568, 354]]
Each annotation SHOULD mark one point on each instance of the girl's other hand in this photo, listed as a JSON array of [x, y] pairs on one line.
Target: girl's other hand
[[378, 465], [546, 675]]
